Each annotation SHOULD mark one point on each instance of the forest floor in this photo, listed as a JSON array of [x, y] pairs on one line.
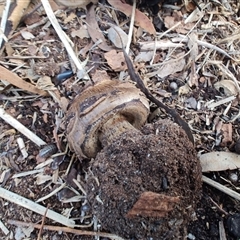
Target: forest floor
[[187, 57]]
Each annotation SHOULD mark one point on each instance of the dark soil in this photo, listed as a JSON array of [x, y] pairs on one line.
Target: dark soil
[[199, 212], [161, 160]]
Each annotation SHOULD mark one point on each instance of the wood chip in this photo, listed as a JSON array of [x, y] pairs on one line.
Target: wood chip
[[26, 203]]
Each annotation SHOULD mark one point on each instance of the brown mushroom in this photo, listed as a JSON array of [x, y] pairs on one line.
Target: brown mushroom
[[136, 169], [101, 113], [75, 3]]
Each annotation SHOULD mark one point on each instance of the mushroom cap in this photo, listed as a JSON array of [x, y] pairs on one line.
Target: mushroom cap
[[95, 106], [75, 3]]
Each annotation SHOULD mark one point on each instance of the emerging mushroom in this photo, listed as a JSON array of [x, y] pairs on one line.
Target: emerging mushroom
[[101, 113], [148, 178]]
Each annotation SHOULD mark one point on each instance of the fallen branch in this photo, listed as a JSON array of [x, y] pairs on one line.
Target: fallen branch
[[66, 229], [221, 187], [4, 228], [15, 80], [37, 208], [22, 129]]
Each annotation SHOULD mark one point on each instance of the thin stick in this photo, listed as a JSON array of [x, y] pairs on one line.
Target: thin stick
[[52, 193], [4, 228], [4, 21], [130, 33], [37, 208], [22, 129], [66, 229], [62, 36], [221, 187], [42, 224]]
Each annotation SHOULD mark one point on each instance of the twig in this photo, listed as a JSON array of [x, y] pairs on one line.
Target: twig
[[66, 229], [222, 232], [52, 193], [17, 125], [23, 174], [4, 21], [172, 112], [218, 207], [130, 32], [62, 36], [139, 83], [79, 186], [3, 228], [205, 44], [212, 105], [42, 224], [37, 208], [221, 187]]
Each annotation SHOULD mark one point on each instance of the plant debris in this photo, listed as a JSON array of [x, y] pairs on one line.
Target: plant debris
[[187, 55]]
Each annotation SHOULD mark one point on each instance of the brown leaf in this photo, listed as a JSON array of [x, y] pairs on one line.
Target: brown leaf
[[152, 204], [176, 20], [15, 80], [140, 18], [227, 134], [100, 75], [94, 30], [116, 60]]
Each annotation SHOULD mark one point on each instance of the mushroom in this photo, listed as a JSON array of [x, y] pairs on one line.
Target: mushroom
[[148, 177], [101, 113], [75, 3]]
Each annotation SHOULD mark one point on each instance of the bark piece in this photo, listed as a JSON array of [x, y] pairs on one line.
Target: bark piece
[[152, 204]]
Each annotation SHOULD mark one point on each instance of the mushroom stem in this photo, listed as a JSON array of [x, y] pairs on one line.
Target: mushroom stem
[[101, 113], [113, 128]]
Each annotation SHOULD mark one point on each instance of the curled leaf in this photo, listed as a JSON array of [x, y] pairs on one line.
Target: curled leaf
[[219, 161], [141, 19], [227, 86]]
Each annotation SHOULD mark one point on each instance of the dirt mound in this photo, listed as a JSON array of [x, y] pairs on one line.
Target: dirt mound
[[161, 160]]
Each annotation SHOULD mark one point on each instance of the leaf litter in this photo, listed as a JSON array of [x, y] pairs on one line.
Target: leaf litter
[[196, 49]]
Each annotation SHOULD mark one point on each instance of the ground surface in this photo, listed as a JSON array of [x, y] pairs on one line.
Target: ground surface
[[190, 89]]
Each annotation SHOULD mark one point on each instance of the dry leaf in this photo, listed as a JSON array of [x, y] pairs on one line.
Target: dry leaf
[[94, 30], [152, 204], [27, 35], [194, 16], [114, 35], [170, 68], [141, 19], [176, 20], [100, 75], [193, 46], [227, 86], [15, 80], [69, 18], [45, 83], [183, 90], [116, 60], [144, 57], [42, 178], [219, 161], [81, 33], [227, 134]]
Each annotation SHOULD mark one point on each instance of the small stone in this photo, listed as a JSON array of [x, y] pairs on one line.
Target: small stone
[[237, 146], [191, 103], [233, 224], [233, 177], [191, 236], [173, 86]]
